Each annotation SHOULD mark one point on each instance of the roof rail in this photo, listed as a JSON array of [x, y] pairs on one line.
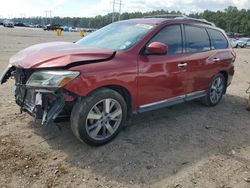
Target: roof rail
[[165, 16], [181, 17], [195, 19]]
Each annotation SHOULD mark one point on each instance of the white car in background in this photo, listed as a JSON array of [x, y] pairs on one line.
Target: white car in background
[[244, 42], [74, 29], [233, 42]]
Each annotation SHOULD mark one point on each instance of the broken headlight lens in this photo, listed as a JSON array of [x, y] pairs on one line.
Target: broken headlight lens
[[53, 79]]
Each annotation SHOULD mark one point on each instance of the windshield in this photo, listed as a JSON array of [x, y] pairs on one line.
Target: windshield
[[116, 36]]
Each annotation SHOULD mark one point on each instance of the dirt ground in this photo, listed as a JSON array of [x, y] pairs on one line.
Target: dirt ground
[[187, 145]]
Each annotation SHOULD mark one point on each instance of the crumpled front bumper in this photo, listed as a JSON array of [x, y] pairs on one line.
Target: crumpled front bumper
[[42, 104]]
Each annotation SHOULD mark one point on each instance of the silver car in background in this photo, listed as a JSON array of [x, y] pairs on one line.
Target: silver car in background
[[8, 23], [244, 42]]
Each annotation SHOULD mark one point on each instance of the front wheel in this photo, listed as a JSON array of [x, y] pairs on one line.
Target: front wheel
[[98, 118], [215, 91]]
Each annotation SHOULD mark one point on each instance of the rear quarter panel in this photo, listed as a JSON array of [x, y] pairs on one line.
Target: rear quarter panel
[[226, 64]]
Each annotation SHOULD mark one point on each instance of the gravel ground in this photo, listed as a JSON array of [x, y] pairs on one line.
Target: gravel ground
[[187, 145]]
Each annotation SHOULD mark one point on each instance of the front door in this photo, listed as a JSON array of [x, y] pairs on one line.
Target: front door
[[161, 77]]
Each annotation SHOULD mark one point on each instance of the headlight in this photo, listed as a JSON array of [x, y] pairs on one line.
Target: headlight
[[53, 79]]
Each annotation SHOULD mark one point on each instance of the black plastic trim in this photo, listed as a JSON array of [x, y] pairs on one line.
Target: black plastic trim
[[168, 103]]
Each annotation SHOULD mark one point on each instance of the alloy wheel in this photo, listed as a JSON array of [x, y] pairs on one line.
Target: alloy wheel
[[216, 90], [104, 119]]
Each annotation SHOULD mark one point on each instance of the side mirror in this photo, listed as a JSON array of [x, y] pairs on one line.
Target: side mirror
[[157, 48]]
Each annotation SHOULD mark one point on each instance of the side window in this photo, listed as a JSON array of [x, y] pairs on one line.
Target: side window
[[197, 39], [218, 39], [171, 36]]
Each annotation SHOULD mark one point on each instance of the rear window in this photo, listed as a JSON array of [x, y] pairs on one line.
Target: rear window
[[197, 39], [218, 39]]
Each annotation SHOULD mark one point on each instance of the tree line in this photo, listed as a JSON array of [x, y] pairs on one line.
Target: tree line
[[231, 19]]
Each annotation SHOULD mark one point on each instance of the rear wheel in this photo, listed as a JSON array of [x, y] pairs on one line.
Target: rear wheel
[[98, 118], [215, 91]]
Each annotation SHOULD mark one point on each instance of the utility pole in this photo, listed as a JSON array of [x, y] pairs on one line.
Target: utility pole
[[113, 14], [45, 17], [120, 7], [48, 14], [22, 16]]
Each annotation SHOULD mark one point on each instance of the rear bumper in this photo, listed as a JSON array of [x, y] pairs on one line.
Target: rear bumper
[[242, 45]]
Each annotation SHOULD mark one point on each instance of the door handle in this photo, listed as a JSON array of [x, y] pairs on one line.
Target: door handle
[[182, 65], [215, 60]]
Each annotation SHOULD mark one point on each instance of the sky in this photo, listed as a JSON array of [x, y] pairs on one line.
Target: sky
[[90, 8]]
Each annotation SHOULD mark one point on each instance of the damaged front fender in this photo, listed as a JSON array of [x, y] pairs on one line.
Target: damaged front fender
[[6, 74]]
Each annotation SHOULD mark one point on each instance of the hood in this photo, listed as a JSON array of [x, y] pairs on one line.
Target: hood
[[57, 54]]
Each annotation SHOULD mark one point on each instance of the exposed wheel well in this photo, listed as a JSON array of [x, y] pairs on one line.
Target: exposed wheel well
[[225, 74]]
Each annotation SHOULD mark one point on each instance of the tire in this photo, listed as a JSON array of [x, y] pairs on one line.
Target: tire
[[215, 91], [93, 124], [248, 104]]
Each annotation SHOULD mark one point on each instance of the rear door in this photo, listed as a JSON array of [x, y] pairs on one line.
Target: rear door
[[198, 54], [208, 53]]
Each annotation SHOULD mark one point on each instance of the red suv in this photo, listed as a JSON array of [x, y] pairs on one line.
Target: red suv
[[125, 68]]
